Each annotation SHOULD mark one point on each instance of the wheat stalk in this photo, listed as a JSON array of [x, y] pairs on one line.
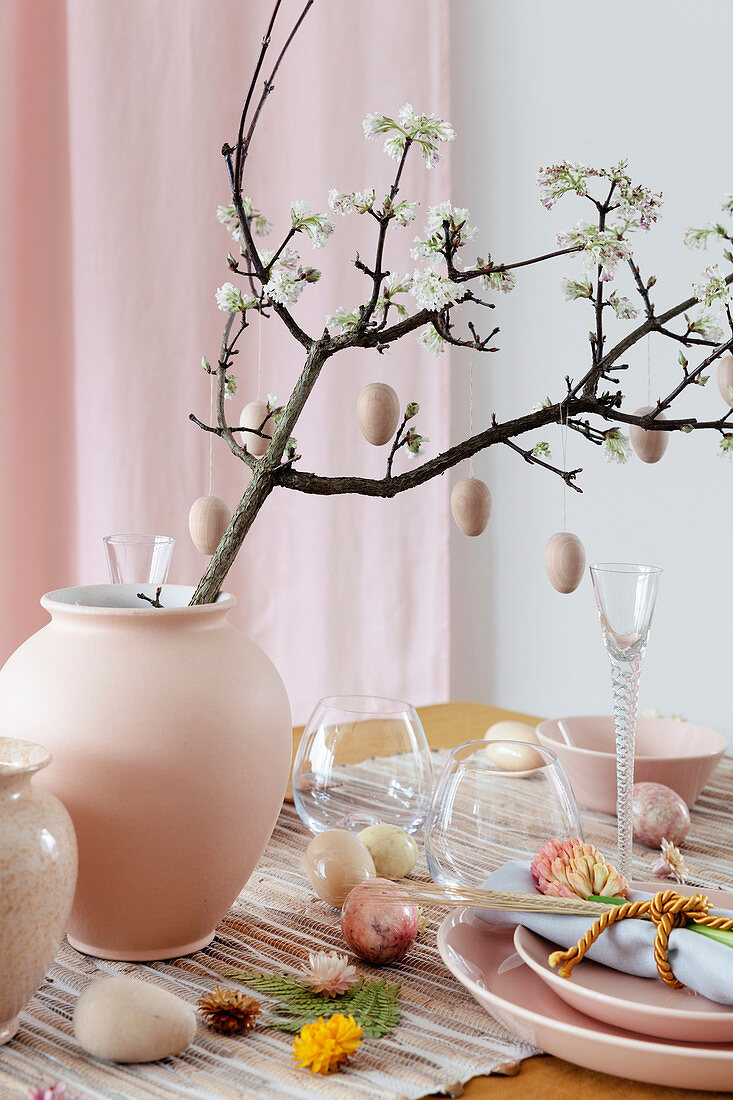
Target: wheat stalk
[[428, 893]]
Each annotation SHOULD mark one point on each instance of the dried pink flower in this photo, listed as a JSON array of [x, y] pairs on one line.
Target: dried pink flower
[[330, 973], [574, 869], [671, 863], [57, 1091]]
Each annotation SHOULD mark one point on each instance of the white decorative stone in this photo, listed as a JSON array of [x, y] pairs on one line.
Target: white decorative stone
[[393, 850], [125, 1020]]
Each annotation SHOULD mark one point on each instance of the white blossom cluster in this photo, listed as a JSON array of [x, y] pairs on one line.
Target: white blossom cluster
[[616, 447], [425, 131], [348, 202], [600, 247], [230, 299], [698, 238], [503, 281], [288, 276], [707, 325], [624, 309], [415, 442], [316, 227], [433, 291], [712, 287], [430, 339], [576, 288], [227, 215], [343, 320], [444, 221], [726, 447]]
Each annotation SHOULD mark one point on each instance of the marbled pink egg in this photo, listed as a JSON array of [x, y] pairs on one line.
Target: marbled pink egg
[[378, 922], [659, 813]]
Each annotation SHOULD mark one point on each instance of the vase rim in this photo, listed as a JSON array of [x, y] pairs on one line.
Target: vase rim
[[122, 599], [19, 757]]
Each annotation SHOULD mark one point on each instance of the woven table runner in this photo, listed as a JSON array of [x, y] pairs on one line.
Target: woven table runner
[[443, 1039]]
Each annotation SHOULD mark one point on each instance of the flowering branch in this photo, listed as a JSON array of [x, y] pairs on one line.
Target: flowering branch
[[439, 285]]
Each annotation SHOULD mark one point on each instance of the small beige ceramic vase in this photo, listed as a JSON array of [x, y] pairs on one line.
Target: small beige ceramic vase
[[37, 877]]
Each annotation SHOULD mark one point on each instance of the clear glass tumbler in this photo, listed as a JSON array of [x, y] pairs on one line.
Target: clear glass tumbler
[[625, 598], [485, 811], [362, 761], [139, 559]]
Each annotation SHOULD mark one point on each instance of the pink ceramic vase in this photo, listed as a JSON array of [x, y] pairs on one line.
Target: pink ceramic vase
[[37, 877], [171, 740]]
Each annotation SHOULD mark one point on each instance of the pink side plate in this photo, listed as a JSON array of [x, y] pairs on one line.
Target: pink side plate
[[483, 960], [643, 1005]]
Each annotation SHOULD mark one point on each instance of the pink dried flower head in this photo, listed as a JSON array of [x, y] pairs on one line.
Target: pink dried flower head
[[330, 973], [574, 869], [57, 1091], [671, 863]]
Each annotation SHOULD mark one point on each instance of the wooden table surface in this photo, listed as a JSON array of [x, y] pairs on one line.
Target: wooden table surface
[[543, 1077]]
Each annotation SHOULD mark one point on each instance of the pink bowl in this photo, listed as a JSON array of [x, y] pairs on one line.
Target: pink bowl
[[677, 754]]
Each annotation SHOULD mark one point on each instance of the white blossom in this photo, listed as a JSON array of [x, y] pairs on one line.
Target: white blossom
[[503, 281], [403, 212], [604, 247], [576, 288], [708, 325], [622, 307], [727, 206], [230, 299], [557, 179], [425, 131], [316, 226], [342, 319], [414, 443], [726, 443], [712, 287], [288, 276], [230, 386], [616, 447], [431, 340], [227, 215], [330, 973], [346, 202], [443, 219], [433, 291], [670, 863]]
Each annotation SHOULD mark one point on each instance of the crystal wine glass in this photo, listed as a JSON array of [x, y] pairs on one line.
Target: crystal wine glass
[[486, 811], [625, 596], [362, 761], [139, 559]]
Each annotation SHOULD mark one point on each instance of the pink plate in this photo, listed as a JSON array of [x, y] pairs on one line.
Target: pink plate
[[646, 1005], [483, 960]]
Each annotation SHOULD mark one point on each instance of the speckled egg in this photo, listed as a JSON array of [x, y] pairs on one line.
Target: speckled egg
[[659, 813], [335, 862], [393, 850], [379, 923]]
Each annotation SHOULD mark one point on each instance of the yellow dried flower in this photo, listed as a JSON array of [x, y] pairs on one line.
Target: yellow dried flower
[[325, 1044]]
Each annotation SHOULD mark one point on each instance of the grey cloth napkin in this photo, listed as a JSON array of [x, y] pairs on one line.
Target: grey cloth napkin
[[698, 962]]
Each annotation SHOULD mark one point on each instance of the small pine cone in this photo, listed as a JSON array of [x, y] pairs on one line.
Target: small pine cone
[[229, 1011]]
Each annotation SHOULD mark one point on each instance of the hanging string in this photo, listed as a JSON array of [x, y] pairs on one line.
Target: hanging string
[[648, 369], [211, 438], [470, 406], [564, 448], [259, 354]]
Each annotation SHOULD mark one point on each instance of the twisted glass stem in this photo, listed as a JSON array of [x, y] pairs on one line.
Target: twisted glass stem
[[625, 680]]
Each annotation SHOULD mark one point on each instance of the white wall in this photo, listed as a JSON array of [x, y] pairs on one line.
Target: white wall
[[535, 83]]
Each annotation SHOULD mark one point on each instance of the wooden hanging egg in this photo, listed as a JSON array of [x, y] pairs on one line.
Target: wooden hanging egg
[[565, 561], [470, 503], [725, 378], [378, 413], [253, 416], [207, 521], [649, 445]]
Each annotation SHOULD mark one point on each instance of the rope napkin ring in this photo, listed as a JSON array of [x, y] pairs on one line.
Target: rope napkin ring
[[667, 910]]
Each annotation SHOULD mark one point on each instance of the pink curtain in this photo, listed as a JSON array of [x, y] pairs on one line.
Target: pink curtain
[[114, 115]]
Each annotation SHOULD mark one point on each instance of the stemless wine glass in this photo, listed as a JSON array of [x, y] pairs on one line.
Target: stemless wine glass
[[362, 761], [139, 559], [625, 597], [484, 811]]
